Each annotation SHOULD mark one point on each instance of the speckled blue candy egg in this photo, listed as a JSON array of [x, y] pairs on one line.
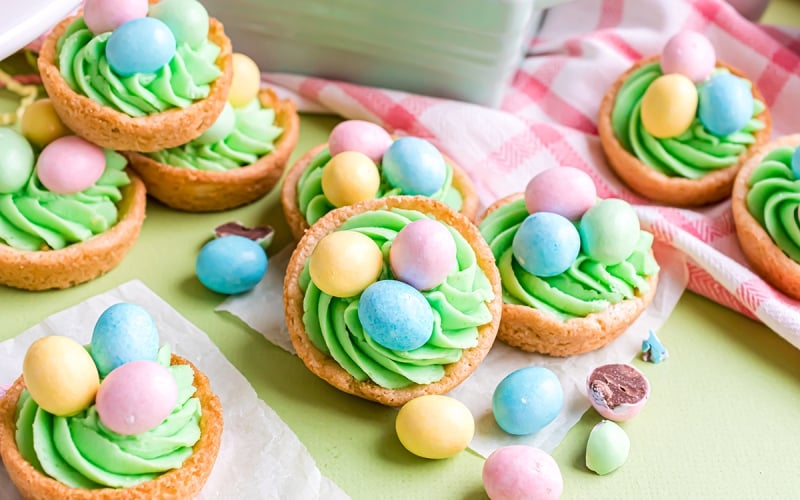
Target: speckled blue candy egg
[[231, 264], [726, 104], [415, 166], [395, 315], [124, 332], [546, 244], [142, 45], [527, 400]]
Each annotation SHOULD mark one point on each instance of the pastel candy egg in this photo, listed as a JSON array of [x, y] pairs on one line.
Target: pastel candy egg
[[350, 177], [726, 104], [415, 166], [526, 400], [609, 231], [231, 264], [70, 164], [136, 397], [434, 426], [16, 161], [361, 136], [520, 472], [423, 253], [187, 19], [41, 125], [154, 47], [60, 375], [617, 391], [221, 127], [669, 105], [395, 315], [796, 164], [546, 244], [607, 448], [690, 54], [565, 191], [246, 81], [123, 333], [107, 15], [344, 263]]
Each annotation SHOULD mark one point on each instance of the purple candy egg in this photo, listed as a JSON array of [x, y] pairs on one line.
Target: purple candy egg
[[361, 136], [565, 191], [423, 253], [690, 54]]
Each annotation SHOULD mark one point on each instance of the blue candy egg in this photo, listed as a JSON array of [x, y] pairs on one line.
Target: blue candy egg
[[726, 104], [546, 244], [527, 400], [415, 166], [231, 264], [796, 163], [395, 315], [124, 332], [142, 45]]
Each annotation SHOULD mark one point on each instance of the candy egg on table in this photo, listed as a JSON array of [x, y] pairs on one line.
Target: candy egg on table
[[70, 164], [107, 15], [41, 125], [726, 104], [690, 54], [359, 135], [123, 333], [546, 244], [609, 231], [221, 127], [350, 177], [154, 42], [395, 315], [566, 191], [136, 397], [344, 263], [434, 426], [521, 472], [415, 166], [618, 391], [231, 264], [187, 19], [669, 105], [16, 161], [526, 400], [60, 375], [423, 253], [246, 81], [607, 448]]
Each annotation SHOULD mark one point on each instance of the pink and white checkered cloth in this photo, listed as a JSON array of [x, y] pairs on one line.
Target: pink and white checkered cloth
[[548, 118]]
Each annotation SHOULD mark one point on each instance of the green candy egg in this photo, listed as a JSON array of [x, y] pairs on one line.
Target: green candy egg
[[222, 126], [609, 231], [187, 19], [16, 161], [607, 448]]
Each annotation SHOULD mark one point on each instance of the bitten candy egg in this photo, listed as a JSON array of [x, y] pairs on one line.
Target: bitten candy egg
[[423, 253], [344, 263], [521, 472], [435, 426], [358, 135], [546, 244], [350, 177], [526, 400], [617, 391], [136, 397], [124, 332], [70, 164], [154, 42], [41, 125], [221, 127], [16, 161], [187, 19], [415, 166], [609, 231], [669, 105], [690, 54], [107, 15], [395, 315], [245, 82], [60, 375], [566, 191], [726, 104], [607, 448], [231, 264]]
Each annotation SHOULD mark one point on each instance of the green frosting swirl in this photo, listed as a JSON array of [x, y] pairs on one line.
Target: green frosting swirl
[[253, 136], [314, 205], [83, 64], [586, 287], [80, 452], [774, 198], [458, 303], [692, 154], [35, 218]]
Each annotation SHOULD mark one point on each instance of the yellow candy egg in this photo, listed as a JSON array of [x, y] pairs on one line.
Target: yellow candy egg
[[60, 375], [350, 177], [344, 263], [41, 125], [245, 82], [435, 426], [669, 105]]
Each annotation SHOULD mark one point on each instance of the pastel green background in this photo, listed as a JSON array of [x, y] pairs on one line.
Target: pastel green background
[[721, 421]]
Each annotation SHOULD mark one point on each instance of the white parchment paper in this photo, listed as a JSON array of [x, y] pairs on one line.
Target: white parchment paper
[[260, 456]]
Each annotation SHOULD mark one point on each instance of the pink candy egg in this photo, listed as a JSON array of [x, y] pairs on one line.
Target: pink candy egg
[[690, 54], [566, 191], [136, 397], [106, 15], [361, 136], [522, 472], [423, 253], [70, 164]]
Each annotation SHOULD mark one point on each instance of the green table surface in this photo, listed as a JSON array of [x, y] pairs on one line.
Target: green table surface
[[720, 422]]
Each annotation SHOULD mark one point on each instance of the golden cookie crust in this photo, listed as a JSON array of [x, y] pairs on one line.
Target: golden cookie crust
[[532, 330], [201, 191], [79, 262], [107, 127], [654, 185], [325, 366], [184, 482], [764, 256], [297, 221]]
